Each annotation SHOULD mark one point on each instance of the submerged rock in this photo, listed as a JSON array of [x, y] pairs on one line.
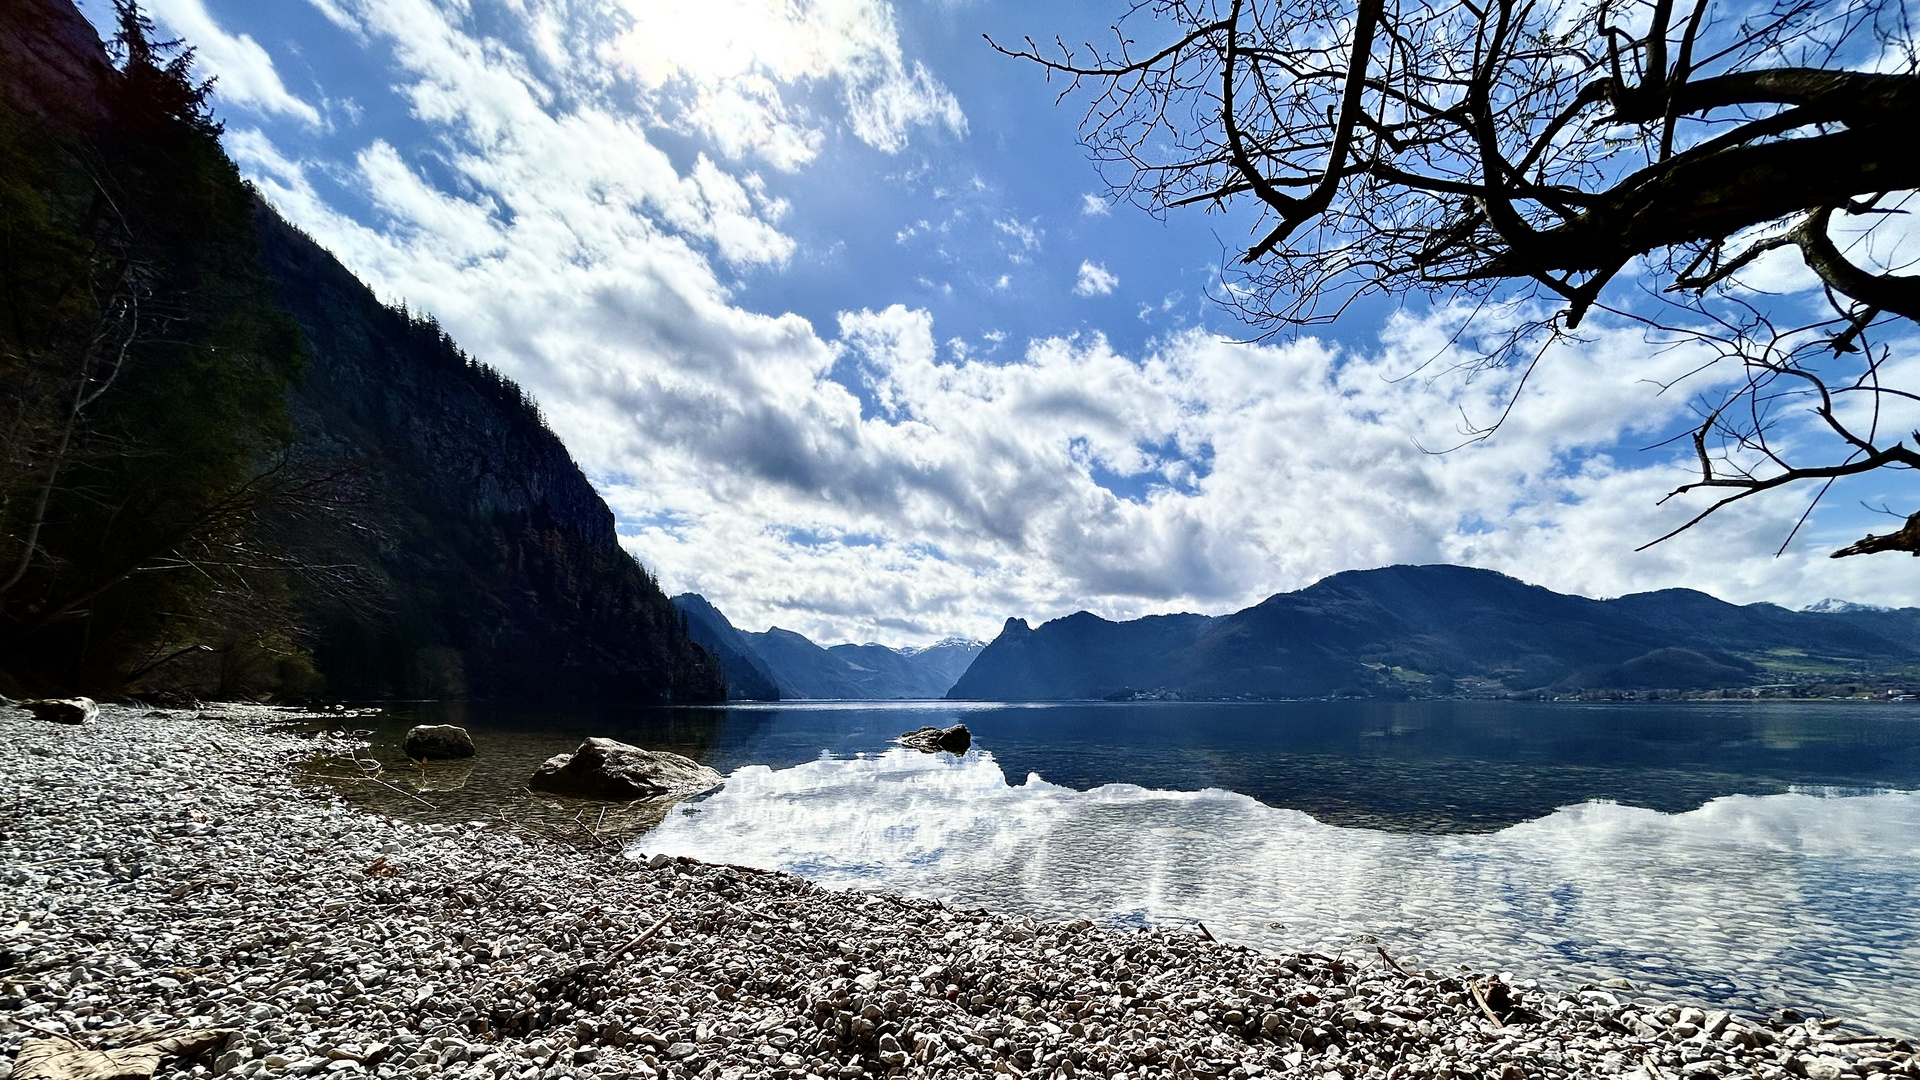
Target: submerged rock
[[606, 769], [932, 740], [521, 957], [437, 742], [76, 710]]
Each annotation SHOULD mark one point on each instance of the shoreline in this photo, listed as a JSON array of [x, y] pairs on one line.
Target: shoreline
[[164, 868]]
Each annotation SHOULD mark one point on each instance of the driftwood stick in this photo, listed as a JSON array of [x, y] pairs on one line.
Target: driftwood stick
[[398, 791], [1481, 1000], [579, 818], [402, 791], [1390, 962], [55, 1032], [637, 942], [1204, 932], [1652, 1069]]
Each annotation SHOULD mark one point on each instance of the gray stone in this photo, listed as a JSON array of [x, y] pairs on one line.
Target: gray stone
[[606, 769], [750, 976], [932, 740], [437, 742], [1824, 1068], [75, 710]]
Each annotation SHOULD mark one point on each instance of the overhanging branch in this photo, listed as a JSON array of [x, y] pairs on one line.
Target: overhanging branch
[[1907, 540]]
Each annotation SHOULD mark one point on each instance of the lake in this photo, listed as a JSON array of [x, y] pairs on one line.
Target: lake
[[1749, 854]]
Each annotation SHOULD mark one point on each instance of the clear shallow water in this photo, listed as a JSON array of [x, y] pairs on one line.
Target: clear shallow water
[[1752, 901], [1753, 854]]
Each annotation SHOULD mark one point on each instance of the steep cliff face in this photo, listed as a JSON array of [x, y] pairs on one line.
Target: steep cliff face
[[486, 563], [409, 525], [748, 677], [52, 65]]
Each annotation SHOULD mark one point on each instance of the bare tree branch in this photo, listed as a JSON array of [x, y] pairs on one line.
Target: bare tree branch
[[1549, 149]]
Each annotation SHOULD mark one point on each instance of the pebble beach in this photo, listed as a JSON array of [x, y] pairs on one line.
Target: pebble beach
[[168, 871]]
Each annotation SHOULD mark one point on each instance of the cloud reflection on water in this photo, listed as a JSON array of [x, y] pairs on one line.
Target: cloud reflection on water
[[1806, 898]]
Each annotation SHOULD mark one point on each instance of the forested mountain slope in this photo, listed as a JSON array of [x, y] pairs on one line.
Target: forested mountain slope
[[493, 565], [748, 677], [1428, 630], [226, 469]]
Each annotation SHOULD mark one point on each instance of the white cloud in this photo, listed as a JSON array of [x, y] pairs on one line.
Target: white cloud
[[334, 14], [1092, 205], [972, 493], [555, 239], [1025, 233], [1095, 281], [737, 71], [247, 78]]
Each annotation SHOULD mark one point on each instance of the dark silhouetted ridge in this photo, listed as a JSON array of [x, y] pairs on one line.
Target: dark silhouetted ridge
[[1411, 631]]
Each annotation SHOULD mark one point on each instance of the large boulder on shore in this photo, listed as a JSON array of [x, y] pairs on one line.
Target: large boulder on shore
[[74, 710], [932, 740], [606, 769], [437, 742]]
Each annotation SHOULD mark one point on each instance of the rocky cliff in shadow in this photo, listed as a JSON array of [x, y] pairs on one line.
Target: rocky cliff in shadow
[[748, 677], [485, 563], [280, 477]]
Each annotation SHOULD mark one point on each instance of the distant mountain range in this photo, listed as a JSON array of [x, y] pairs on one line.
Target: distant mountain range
[[1420, 631], [780, 665]]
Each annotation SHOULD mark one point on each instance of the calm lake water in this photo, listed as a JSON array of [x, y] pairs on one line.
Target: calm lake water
[[1749, 854]]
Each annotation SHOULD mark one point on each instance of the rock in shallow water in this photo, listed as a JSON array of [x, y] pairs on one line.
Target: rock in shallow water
[[932, 740], [437, 742], [606, 769], [348, 946]]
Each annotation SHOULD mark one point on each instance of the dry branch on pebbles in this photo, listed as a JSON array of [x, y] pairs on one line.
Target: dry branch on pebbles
[[166, 872]]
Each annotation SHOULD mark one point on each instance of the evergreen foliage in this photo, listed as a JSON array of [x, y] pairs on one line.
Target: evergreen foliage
[[227, 470], [481, 561], [145, 366]]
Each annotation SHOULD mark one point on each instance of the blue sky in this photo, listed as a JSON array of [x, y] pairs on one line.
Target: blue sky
[[828, 301]]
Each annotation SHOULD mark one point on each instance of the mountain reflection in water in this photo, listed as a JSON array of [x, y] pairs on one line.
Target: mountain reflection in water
[[1753, 853], [1803, 898]]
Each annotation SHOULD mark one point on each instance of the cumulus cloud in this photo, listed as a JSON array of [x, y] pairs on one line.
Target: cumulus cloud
[[856, 482], [1209, 474], [1092, 205], [736, 71], [246, 76], [1095, 280]]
